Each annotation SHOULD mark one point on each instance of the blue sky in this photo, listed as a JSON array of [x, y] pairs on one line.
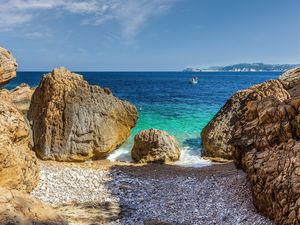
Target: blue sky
[[141, 35]]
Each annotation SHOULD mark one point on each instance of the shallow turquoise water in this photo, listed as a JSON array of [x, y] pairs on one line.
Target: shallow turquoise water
[[166, 101]]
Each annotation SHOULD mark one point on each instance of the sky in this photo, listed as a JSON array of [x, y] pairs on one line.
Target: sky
[[148, 35]]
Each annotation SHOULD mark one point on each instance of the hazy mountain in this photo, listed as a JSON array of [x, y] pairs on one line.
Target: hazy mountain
[[246, 67]]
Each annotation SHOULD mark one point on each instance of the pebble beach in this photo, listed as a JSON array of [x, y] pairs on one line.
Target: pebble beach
[[103, 192]]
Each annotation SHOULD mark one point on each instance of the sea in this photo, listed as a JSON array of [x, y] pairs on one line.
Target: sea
[[166, 101]]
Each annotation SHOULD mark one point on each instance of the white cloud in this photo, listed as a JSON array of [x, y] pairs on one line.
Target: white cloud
[[129, 14]]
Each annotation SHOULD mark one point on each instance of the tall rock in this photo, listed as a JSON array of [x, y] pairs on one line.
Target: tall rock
[[74, 121], [8, 66], [267, 147], [264, 141], [19, 168]]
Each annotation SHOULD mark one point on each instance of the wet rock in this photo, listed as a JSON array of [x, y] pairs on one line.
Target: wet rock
[[19, 168], [74, 121], [155, 146], [8, 66]]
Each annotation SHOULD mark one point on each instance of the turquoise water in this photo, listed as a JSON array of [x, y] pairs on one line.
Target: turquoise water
[[165, 100]]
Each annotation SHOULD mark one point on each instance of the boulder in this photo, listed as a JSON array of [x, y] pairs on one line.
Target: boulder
[[267, 147], [20, 96], [19, 168], [264, 141], [155, 146], [217, 133], [74, 121], [17, 208], [8, 66]]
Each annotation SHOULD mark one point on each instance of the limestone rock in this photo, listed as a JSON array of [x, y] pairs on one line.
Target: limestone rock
[[154, 145], [217, 133], [74, 121], [8, 66], [18, 208], [20, 96], [290, 78], [267, 147], [264, 140], [19, 168]]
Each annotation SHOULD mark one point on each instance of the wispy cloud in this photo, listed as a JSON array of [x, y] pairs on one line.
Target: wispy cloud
[[129, 14]]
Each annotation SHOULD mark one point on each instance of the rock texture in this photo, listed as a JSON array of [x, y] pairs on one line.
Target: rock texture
[[267, 147], [264, 140], [218, 132], [20, 96], [17, 208], [8, 66], [290, 78], [74, 121], [19, 167], [151, 146]]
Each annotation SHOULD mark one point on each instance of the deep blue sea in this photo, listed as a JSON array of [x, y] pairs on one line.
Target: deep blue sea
[[165, 100]]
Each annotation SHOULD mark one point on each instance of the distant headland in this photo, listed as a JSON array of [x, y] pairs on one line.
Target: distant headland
[[245, 67]]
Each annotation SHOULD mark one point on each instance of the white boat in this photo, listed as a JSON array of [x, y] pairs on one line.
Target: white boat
[[194, 80]]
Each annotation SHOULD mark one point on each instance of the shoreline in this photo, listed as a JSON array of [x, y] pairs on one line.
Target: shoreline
[[105, 192]]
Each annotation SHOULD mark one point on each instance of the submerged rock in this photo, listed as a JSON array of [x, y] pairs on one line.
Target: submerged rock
[[19, 168], [151, 146], [264, 140], [8, 66], [74, 121], [18, 208]]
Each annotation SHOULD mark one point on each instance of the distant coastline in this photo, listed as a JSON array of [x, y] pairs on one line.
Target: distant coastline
[[245, 67]]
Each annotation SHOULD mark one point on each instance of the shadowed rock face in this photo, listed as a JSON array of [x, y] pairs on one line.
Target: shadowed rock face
[[19, 167], [8, 66], [18, 208], [264, 141], [74, 121], [154, 145]]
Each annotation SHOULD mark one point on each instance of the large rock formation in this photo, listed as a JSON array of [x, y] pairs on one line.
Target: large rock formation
[[267, 146], [74, 121], [17, 208], [8, 66], [264, 141], [19, 167], [217, 133], [154, 146]]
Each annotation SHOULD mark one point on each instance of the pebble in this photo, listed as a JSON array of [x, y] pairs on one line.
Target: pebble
[[224, 200]]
